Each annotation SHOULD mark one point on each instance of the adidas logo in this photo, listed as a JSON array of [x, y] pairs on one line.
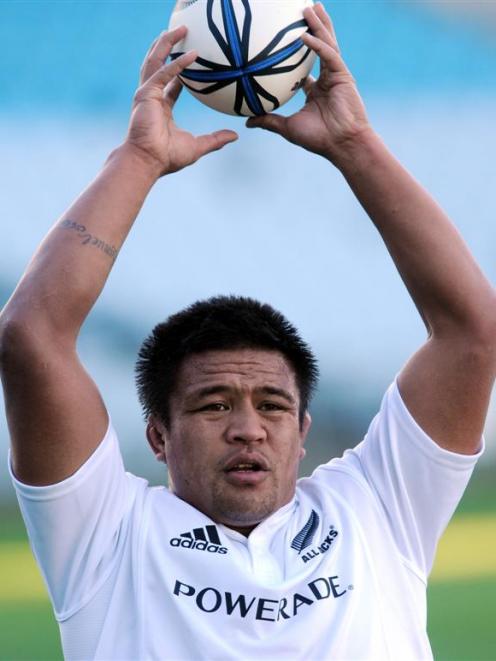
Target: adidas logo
[[201, 539]]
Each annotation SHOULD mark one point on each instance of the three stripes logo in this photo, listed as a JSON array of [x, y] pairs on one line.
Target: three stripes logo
[[242, 70], [201, 539]]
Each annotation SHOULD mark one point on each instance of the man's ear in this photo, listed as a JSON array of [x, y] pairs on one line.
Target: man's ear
[[156, 435], [307, 422]]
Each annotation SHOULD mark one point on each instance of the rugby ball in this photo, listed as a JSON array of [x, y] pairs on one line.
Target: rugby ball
[[251, 59]]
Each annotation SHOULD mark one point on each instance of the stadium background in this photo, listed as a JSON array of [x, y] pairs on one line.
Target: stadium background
[[261, 218]]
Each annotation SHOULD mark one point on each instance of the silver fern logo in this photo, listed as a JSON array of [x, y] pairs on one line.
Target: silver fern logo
[[305, 537]]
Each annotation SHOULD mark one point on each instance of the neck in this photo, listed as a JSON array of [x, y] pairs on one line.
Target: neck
[[245, 530]]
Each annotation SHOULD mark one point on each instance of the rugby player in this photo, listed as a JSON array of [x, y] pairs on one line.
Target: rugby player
[[237, 559]]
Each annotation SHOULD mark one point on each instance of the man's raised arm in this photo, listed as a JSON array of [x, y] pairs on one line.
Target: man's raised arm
[[55, 413], [446, 385]]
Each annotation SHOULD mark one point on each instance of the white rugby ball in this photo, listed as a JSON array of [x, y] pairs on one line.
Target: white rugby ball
[[251, 59]]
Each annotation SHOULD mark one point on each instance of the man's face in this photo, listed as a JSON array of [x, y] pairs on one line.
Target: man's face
[[234, 442]]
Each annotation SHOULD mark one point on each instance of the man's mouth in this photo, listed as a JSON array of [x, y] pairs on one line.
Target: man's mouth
[[245, 467], [246, 461], [243, 471]]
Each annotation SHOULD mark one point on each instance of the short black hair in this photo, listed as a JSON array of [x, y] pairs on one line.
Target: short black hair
[[217, 323]]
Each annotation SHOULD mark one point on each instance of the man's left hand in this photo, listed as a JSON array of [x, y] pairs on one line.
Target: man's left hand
[[333, 113]]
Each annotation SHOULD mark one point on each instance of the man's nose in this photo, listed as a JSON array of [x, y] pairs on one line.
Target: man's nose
[[246, 426]]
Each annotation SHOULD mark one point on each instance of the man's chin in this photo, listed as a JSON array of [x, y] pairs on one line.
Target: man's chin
[[243, 508]]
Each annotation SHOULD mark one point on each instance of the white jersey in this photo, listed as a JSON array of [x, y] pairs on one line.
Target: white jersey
[[338, 573]]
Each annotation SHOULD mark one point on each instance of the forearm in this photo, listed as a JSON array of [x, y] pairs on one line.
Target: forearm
[[71, 266], [441, 275]]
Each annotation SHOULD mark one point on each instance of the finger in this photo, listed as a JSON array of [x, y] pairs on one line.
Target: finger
[[167, 73], [273, 122], [326, 20], [160, 51], [147, 65], [317, 27], [167, 41], [148, 52], [213, 141], [172, 91], [328, 55]]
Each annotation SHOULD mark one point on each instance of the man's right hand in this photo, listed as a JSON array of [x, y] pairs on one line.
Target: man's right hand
[[153, 133]]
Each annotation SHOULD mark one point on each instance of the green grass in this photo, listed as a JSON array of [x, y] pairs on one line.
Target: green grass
[[462, 620], [28, 632], [480, 495]]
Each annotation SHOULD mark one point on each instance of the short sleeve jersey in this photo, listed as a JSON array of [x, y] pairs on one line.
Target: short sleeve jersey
[[340, 572]]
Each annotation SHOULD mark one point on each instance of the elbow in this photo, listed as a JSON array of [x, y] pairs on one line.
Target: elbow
[[22, 341], [471, 333], [16, 325], [15, 338], [28, 329], [482, 340], [486, 326], [474, 325]]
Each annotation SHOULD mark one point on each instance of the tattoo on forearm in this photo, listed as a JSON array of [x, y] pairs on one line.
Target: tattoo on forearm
[[88, 239]]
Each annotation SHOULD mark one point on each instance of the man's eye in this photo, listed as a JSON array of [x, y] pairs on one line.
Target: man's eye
[[215, 406], [271, 406]]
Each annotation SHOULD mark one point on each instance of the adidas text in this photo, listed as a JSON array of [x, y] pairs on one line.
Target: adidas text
[[199, 546], [201, 539]]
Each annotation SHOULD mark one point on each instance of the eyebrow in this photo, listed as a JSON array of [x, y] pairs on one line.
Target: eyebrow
[[222, 389], [271, 390], [209, 390]]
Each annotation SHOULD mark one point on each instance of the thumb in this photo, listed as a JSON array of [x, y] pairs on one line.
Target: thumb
[[274, 123], [214, 141]]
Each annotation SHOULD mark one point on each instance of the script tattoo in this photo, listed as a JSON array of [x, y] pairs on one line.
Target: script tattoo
[[88, 239]]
